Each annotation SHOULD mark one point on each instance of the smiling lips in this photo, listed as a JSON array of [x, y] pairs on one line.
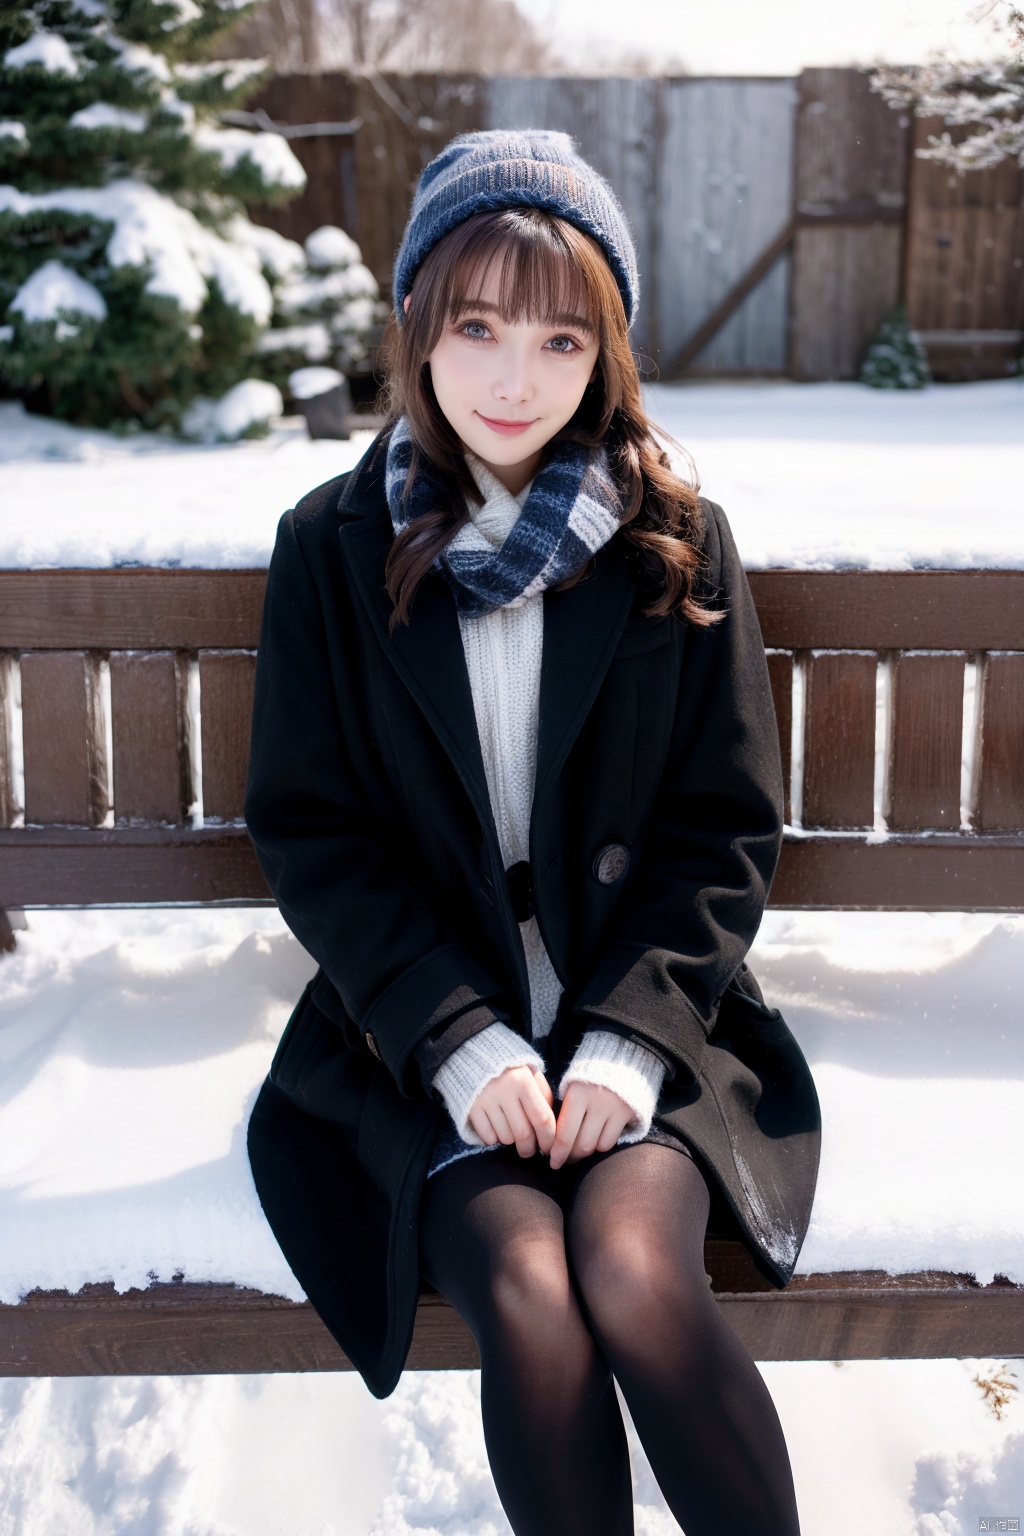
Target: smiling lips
[[505, 428]]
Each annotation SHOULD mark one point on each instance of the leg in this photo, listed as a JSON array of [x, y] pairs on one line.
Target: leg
[[636, 1220], [493, 1243]]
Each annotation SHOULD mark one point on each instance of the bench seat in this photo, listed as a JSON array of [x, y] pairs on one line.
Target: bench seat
[[135, 1044]]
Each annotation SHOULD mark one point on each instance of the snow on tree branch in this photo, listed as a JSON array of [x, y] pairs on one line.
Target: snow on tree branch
[[985, 98]]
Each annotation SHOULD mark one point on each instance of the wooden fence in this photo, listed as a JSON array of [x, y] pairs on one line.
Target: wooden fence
[[777, 221]]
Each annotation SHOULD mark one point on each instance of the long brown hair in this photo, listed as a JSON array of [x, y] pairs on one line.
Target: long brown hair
[[548, 269]]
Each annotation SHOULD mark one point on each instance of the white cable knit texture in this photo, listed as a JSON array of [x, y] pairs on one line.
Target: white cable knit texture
[[503, 657], [473, 1065], [624, 1066]]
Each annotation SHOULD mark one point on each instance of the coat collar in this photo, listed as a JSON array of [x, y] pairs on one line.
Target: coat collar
[[582, 626]]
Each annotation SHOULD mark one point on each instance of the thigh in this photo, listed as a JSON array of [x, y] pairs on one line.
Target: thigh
[[635, 1209], [484, 1217]]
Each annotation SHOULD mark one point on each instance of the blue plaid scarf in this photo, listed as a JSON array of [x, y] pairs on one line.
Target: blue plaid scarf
[[572, 509]]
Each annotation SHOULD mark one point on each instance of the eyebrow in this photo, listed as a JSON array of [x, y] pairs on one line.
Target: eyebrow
[[577, 322]]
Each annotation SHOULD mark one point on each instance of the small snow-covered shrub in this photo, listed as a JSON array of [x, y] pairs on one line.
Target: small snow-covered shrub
[[896, 359], [328, 311], [247, 410], [117, 181]]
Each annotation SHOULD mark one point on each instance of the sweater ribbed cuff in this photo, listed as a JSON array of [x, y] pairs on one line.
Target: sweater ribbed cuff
[[474, 1064], [628, 1068]]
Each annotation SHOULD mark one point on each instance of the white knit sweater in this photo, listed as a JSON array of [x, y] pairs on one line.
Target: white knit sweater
[[503, 656]]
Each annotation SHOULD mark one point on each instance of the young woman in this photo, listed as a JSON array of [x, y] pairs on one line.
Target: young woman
[[515, 784]]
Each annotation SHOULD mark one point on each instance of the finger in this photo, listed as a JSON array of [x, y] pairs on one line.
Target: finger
[[479, 1121], [613, 1129], [569, 1120], [540, 1114], [588, 1135], [545, 1087], [500, 1122], [520, 1126]]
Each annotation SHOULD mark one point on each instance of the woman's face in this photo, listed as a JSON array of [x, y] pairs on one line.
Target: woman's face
[[507, 389]]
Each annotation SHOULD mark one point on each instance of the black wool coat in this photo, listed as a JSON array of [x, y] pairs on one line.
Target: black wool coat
[[368, 806]]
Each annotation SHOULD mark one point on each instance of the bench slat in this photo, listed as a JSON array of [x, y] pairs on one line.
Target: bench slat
[[927, 729], [7, 806], [156, 609], [780, 675], [65, 866], [1001, 782], [839, 754], [62, 738], [192, 1328], [147, 696], [225, 693]]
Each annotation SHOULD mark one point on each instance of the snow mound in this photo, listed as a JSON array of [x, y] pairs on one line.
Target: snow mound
[[151, 230], [953, 1493], [246, 409], [132, 1046], [49, 51], [10, 128], [54, 289]]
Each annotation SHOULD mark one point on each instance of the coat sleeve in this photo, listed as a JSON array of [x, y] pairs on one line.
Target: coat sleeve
[[331, 863], [709, 855]]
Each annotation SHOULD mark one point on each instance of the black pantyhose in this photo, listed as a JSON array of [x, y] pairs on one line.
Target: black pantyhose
[[567, 1277]]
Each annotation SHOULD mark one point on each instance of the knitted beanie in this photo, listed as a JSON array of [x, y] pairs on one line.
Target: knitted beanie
[[515, 168]]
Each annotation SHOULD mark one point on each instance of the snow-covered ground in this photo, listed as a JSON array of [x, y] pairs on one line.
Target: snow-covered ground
[[810, 475]]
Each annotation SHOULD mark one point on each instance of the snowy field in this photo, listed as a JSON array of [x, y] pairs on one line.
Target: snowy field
[[132, 1044], [810, 475]]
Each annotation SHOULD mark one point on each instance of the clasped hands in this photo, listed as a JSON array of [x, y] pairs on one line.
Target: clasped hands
[[517, 1109]]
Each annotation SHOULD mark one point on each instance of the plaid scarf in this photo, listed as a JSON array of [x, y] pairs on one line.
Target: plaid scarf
[[572, 509]]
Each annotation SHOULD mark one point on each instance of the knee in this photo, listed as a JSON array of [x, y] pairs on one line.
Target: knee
[[533, 1302], [632, 1285]]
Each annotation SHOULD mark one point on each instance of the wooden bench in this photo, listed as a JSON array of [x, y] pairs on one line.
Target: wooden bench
[[121, 781]]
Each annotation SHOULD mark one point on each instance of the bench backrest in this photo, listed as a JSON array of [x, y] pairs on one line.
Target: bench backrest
[[126, 698]]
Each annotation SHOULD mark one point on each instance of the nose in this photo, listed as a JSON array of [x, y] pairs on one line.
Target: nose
[[514, 383]]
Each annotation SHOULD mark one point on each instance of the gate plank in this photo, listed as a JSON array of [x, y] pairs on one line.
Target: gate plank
[[62, 738], [1001, 778], [927, 733], [839, 753], [146, 697], [851, 159], [225, 707]]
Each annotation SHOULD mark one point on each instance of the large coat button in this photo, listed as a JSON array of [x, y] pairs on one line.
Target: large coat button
[[611, 863], [371, 1045]]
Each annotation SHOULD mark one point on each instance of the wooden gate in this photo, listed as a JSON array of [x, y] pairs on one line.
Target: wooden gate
[[965, 264]]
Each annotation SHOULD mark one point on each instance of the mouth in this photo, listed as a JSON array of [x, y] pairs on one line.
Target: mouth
[[506, 428]]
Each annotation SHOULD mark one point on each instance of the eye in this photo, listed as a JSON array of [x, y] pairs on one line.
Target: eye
[[474, 330], [565, 344]]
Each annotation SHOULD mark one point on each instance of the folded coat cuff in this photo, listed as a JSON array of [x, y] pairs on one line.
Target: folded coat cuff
[[474, 1064], [624, 1066], [636, 991], [446, 982]]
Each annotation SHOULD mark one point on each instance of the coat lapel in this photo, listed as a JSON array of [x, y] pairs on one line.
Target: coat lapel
[[582, 626]]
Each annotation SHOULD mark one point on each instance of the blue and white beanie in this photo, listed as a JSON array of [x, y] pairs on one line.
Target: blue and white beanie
[[515, 168]]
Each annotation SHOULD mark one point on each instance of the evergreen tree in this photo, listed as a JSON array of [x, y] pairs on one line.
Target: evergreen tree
[[131, 279], [896, 358]]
